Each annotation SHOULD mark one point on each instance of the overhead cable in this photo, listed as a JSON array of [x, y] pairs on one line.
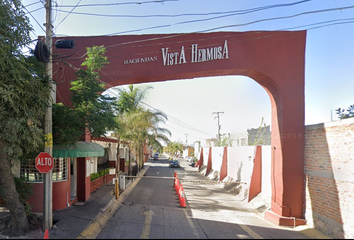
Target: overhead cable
[[229, 13]]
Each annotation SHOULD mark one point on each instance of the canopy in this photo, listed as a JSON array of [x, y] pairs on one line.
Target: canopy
[[78, 149]]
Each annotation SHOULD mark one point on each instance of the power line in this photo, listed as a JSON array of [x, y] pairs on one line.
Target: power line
[[115, 4], [32, 3], [208, 30], [67, 15], [34, 19], [284, 17], [228, 13], [236, 25]]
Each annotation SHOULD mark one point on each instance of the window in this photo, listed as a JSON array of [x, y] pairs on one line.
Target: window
[[30, 173]]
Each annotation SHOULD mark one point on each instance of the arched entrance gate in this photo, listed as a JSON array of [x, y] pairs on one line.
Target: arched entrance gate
[[274, 59]]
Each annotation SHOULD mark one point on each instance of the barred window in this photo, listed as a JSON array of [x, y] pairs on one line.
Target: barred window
[[30, 173]]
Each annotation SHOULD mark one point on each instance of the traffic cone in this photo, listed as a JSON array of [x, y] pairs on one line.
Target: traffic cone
[[46, 234], [175, 181], [177, 186], [183, 200], [180, 193]]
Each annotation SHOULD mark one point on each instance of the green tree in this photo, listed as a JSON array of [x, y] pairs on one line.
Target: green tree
[[24, 93], [224, 141], [91, 110], [342, 114], [173, 148], [261, 138], [138, 125], [128, 101]]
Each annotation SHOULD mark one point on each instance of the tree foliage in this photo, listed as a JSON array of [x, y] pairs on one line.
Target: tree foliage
[[348, 113], [139, 126], [90, 109], [24, 94], [224, 141], [173, 148]]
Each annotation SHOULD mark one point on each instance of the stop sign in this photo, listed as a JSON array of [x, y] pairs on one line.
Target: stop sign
[[44, 162]]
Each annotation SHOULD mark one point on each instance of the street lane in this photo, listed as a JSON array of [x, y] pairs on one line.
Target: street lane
[[152, 211]]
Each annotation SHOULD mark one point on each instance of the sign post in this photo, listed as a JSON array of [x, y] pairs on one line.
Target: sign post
[[44, 164], [48, 128]]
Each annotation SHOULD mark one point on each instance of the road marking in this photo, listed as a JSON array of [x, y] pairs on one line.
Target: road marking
[[250, 232], [191, 224], [147, 226]]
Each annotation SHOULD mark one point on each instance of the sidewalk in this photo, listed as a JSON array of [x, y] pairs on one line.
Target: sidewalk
[[86, 221], [73, 222]]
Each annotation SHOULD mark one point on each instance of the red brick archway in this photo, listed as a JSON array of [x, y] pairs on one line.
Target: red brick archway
[[274, 59]]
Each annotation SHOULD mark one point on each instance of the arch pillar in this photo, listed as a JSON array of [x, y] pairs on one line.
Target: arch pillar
[[287, 156]]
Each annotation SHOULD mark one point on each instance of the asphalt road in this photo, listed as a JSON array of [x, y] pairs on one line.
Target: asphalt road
[[152, 210]]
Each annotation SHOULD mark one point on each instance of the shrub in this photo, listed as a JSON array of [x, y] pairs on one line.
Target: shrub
[[94, 176], [101, 173]]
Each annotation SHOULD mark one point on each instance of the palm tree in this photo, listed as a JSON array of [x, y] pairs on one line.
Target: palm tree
[[138, 125], [142, 128], [174, 147]]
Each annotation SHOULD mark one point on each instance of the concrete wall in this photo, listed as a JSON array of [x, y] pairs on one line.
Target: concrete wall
[[329, 177], [240, 162], [216, 157], [328, 169]]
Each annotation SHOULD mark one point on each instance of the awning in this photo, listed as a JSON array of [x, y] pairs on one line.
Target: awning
[[78, 149]]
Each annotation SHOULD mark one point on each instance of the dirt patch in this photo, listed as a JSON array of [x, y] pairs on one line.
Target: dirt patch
[[35, 222]]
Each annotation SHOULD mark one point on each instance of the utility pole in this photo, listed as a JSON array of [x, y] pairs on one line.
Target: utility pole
[[186, 141], [47, 179], [219, 127]]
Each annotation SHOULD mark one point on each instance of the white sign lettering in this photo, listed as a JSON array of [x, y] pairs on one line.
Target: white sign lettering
[[44, 161], [140, 60], [179, 57], [197, 54], [173, 58], [209, 54]]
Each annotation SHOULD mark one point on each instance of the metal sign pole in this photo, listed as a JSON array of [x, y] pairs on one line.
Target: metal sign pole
[[47, 180]]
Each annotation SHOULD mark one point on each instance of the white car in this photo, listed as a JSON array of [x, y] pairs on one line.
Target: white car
[[188, 158]]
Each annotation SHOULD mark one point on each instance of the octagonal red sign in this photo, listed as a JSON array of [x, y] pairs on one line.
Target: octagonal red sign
[[44, 162]]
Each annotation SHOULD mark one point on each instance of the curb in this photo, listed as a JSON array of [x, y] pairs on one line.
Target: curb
[[95, 227]]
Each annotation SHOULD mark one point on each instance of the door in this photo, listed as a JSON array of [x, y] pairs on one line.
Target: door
[[73, 178]]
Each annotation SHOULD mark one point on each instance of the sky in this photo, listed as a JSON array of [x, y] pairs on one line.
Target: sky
[[242, 103]]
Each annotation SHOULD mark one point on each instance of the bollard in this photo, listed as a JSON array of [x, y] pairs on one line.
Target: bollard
[[122, 182], [46, 234], [116, 191]]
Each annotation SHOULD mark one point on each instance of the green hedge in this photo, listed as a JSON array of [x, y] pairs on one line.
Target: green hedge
[[101, 173]]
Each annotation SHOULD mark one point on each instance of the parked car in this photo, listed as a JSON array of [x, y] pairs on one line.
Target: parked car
[[188, 158], [192, 163], [174, 163], [156, 156]]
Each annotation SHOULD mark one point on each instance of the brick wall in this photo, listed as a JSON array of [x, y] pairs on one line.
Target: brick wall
[[95, 184], [329, 178]]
